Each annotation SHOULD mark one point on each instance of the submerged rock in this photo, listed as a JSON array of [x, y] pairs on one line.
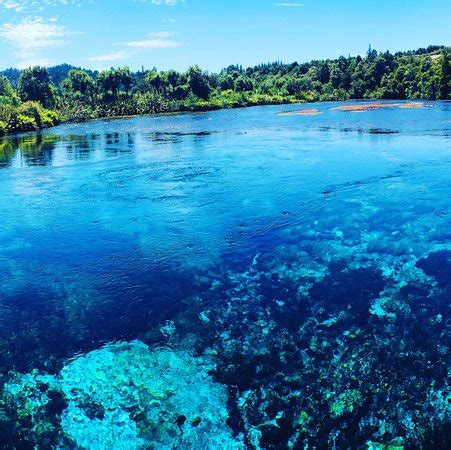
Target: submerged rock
[[128, 396], [345, 402]]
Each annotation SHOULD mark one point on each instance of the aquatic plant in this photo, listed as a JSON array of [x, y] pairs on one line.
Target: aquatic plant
[[345, 402], [323, 343], [126, 395]]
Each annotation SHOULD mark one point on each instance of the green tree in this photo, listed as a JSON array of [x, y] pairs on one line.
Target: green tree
[[336, 77], [243, 83], [81, 84], [294, 86], [35, 85], [445, 76], [126, 79], [109, 82], [324, 73], [172, 80], [155, 81], [226, 82], [371, 54], [8, 95], [198, 82]]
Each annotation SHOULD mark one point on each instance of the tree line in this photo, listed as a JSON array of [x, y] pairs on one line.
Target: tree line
[[38, 97]]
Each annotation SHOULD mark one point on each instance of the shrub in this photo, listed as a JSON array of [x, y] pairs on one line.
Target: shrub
[[43, 118], [6, 112], [73, 110], [33, 110], [50, 118], [20, 122]]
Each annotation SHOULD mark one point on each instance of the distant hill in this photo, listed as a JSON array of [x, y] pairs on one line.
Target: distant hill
[[57, 73], [12, 75]]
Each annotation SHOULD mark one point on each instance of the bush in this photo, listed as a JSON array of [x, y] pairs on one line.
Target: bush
[[43, 118], [19, 123], [6, 112], [33, 110], [73, 110], [30, 116], [3, 127], [7, 101], [50, 118]]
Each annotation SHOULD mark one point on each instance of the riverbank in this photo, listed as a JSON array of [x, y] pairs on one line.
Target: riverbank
[[35, 118], [31, 116]]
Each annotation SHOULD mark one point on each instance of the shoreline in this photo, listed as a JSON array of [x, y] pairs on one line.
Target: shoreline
[[206, 110]]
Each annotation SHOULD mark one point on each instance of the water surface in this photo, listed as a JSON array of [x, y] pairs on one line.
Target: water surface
[[292, 245]]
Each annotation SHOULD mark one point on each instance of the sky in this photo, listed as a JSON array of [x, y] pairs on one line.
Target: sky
[[99, 34]]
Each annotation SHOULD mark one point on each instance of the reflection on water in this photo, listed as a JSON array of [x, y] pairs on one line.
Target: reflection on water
[[38, 149], [103, 139], [30, 150], [7, 151]]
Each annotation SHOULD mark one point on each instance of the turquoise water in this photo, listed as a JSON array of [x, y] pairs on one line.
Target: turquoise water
[[307, 257]]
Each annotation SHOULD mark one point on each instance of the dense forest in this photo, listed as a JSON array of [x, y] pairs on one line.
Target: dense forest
[[38, 97]]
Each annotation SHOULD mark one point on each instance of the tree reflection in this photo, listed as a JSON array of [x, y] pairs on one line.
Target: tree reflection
[[7, 152], [38, 149], [33, 149], [117, 144], [81, 148]]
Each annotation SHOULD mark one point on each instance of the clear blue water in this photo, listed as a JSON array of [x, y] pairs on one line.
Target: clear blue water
[[256, 222]]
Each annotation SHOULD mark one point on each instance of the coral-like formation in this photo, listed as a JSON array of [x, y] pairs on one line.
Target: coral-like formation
[[339, 341], [125, 396]]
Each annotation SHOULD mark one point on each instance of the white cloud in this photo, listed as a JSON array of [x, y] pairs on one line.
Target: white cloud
[[31, 36], [33, 33], [28, 6], [161, 2], [34, 5], [114, 56], [15, 5], [159, 39], [290, 5], [162, 35], [152, 43]]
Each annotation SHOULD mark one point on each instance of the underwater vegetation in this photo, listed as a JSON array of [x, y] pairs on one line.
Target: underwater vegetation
[[358, 360], [123, 396], [300, 350]]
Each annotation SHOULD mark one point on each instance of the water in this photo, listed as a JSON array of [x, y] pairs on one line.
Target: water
[[309, 254]]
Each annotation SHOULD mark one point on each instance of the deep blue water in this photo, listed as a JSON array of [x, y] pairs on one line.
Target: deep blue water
[[264, 226]]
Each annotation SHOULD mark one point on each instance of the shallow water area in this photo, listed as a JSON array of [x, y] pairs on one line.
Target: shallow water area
[[301, 260]]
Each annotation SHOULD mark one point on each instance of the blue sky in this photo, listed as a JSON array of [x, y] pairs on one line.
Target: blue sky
[[212, 33]]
